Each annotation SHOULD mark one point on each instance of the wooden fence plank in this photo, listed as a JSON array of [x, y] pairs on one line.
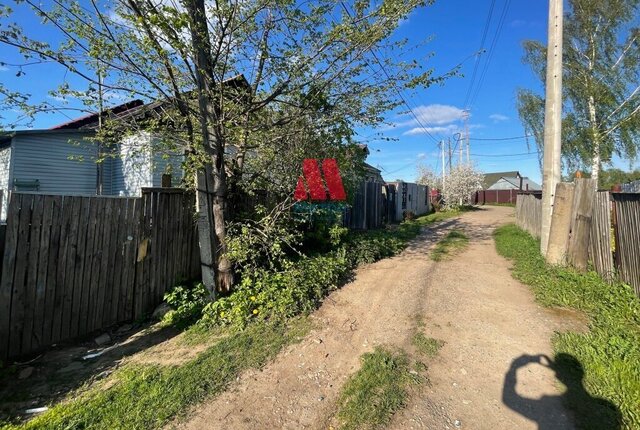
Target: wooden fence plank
[[51, 295], [104, 264], [41, 283], [70, 274], [600, 251], [111, 244], [8, 269], [84, 320], [581, 212], [18, 297], [79, 263], [32, 272], [627, 210]]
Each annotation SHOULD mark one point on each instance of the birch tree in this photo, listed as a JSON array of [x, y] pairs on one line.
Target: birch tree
[[601, 84], [312, 62]]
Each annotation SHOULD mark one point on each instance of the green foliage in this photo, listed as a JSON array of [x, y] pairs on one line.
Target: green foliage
[[148, 397], [610, 351], [427, 345], [600, 77], [371, 396], [186, 304], [453, 243]]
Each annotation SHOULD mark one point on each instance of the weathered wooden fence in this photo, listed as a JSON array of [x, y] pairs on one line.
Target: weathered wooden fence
[[627, 238], [73, 265], [368, 209], [600, 252], [601, 228], [529, 213]]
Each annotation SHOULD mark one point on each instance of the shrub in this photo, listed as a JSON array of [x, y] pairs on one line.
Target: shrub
[[186, 304]]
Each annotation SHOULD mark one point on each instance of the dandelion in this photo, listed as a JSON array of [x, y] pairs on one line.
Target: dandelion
[[221, 314], [255, 311], [253, 298]]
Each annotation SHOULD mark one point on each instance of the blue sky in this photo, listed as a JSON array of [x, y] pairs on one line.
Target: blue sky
[[455, 28]]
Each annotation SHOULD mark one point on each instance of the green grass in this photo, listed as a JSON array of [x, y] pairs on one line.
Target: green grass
[[609, 353], [371, 396], [147, 397], [427, 345], [453, 243]]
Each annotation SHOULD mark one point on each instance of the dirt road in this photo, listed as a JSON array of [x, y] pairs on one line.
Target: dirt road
[[486, 319]]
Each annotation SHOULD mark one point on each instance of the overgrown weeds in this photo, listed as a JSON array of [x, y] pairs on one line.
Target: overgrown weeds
[[610, 352], [453, 243]]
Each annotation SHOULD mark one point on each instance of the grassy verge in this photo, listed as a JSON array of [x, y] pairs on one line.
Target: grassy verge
[[453, 243], [606, 359], [147, 397], [376, 391]]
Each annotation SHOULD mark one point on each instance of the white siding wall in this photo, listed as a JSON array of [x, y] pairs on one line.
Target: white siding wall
[[132, 169], [164, 161], [5, 165], [46, 157]]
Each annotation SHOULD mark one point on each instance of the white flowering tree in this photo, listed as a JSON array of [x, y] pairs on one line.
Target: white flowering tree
[[459, 184]]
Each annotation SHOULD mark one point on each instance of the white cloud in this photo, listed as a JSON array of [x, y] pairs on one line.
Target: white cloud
[[448, 129], [421, 155], [497, 117], [3, 68], [517, 23], [434, 114]]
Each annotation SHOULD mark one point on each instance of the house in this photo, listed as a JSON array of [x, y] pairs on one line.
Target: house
[[509, 181], [62, 160]]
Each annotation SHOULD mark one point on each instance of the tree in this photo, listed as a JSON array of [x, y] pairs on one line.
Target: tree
[[460, 184], [310, 63], [601, 90]]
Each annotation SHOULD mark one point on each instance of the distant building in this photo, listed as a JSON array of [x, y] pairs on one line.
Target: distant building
[[509, 181]]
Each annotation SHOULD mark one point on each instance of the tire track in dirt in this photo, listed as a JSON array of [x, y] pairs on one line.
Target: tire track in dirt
[[300, 387], [472, 303]]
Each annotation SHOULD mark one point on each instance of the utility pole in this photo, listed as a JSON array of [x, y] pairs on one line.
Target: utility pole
[[444, 167], [552, 120], [450, 154], [100, 165]]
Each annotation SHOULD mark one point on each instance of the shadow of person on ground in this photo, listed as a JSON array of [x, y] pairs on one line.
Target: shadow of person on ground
[[588, 412]]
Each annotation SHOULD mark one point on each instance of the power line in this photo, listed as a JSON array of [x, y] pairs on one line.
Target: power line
[[481, 49], [393, 81], [507, 155], [496, 36], [502, 138]]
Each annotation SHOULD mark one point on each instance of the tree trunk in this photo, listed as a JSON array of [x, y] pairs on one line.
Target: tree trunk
[[212, 139], [595, 135]]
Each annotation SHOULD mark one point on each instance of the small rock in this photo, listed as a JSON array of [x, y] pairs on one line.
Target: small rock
[[318, 340], [161, 311], [103, 339], [457, 423], [124, 328], [413, 372], [25, 373], [321, 398]]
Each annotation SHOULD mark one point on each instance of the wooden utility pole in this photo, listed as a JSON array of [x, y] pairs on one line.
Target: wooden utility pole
[[552, 120]]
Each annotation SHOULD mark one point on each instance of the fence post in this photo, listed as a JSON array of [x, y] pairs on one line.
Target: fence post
[[560, 223], [581, 213]]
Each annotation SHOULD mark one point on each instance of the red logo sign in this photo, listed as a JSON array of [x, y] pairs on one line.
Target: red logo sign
[[311, 183]]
